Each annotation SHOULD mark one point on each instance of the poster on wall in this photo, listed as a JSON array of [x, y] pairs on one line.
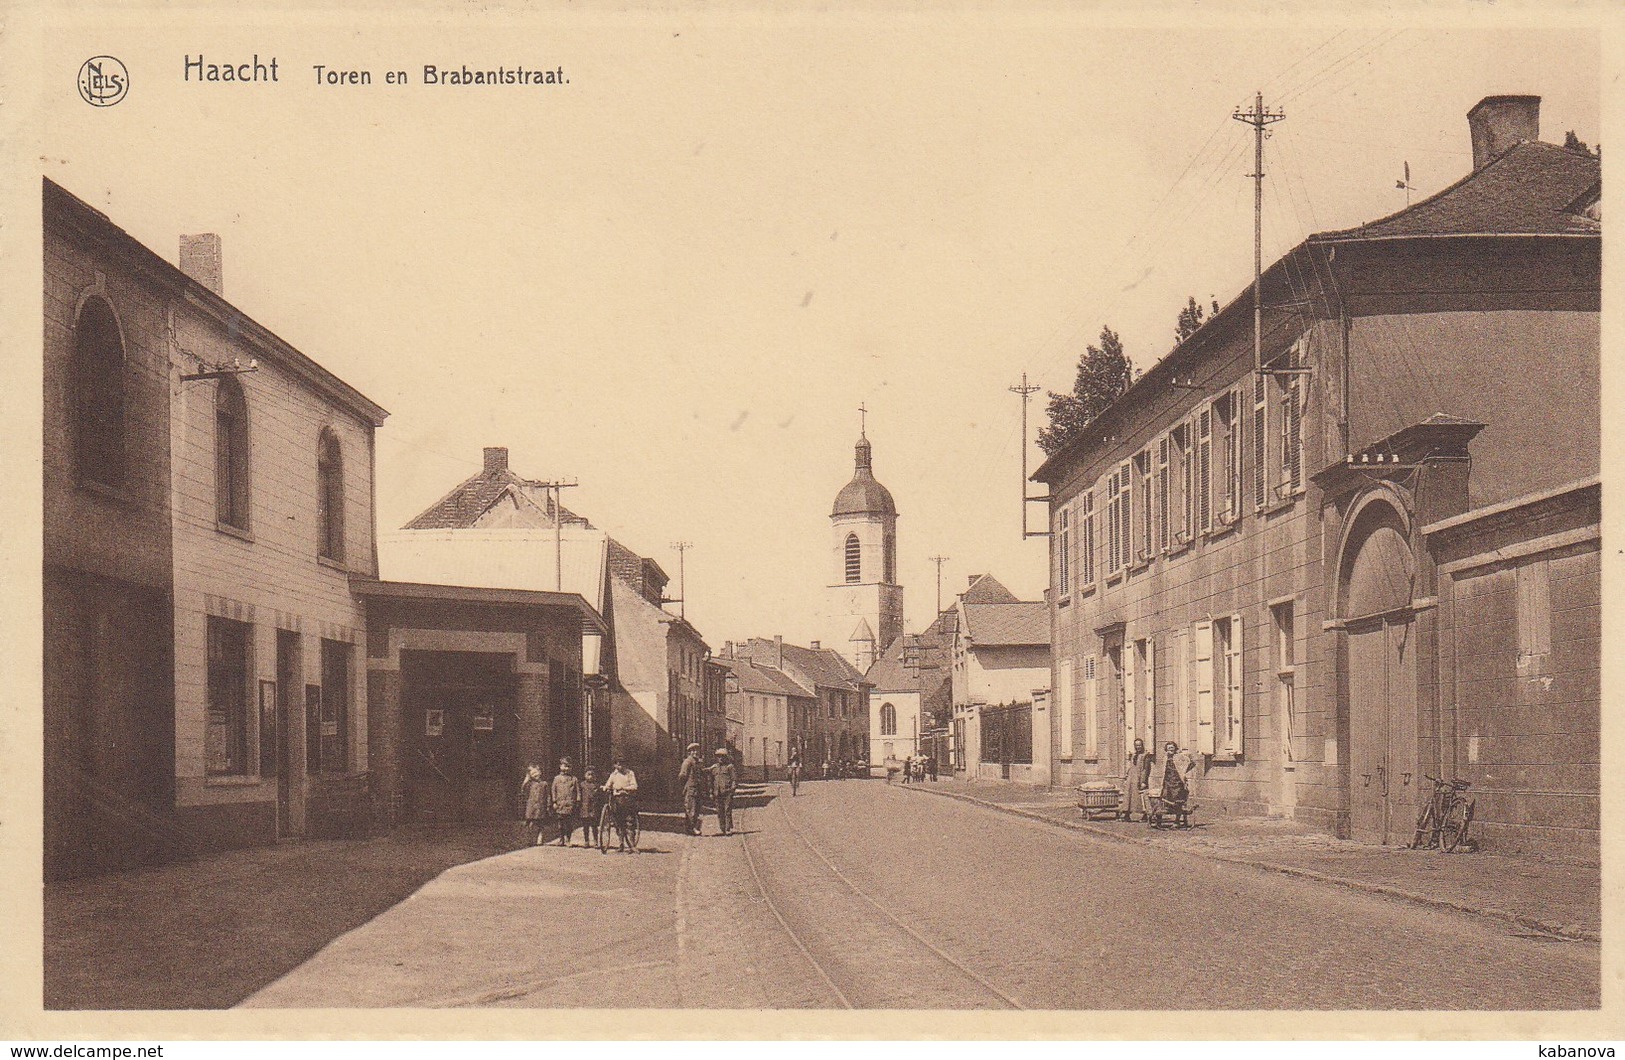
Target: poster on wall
[[434, 722]]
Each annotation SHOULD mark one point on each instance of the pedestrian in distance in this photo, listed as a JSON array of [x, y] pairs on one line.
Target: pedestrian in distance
[[1137, 781], [565, 801], [691, 776], [592, 804], [931, 767], [795, 772], [533, 789], [724, 780]]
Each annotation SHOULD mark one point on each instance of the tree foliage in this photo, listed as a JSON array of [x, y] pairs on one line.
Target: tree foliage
[[1579, 146], [1191, 318], [1104, 372]]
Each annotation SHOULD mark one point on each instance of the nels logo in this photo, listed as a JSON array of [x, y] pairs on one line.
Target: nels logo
[[103, 81]]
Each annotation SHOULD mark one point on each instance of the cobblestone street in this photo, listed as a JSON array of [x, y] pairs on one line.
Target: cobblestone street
[[862, 895]]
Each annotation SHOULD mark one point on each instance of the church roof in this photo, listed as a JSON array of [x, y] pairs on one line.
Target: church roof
[[862, 631], [864, 495]]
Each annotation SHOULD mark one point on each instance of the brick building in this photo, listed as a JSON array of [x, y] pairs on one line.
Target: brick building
[[1367, 561], [208, 497], [833, 725]]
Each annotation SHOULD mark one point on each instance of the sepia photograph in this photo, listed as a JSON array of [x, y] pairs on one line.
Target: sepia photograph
[[807, 521]]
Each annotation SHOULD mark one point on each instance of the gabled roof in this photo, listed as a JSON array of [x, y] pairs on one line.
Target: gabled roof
[[928, 653], [1007, 625], [823, 666], [754, 677], [474, 496], [1529, 189], [986, 589]]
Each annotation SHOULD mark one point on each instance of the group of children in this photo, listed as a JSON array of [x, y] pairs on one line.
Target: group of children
[[564, 799]]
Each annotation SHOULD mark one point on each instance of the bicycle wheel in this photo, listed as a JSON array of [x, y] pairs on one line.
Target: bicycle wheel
[[605, 823], [1456, 823], [632, 830], [1427, 828]]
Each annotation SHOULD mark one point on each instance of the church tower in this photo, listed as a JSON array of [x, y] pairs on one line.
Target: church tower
[[865, 602]]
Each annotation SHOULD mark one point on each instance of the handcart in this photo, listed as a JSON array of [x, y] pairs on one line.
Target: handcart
[[1100, 798]]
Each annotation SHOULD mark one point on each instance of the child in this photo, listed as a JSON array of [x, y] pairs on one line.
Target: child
[[533, 789], [592, 802]]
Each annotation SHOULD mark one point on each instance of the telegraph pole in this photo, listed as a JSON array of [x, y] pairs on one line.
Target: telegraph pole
[[554, 498], [682, 577], [1258, 118], [939, 561], [1026, 390]]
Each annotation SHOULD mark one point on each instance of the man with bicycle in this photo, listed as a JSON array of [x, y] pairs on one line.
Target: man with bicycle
[[622, 789]]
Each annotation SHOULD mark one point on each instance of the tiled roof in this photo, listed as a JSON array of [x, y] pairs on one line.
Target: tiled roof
[[1530, 189], [892, 672], [824, 666], [464, 505], [987, 589], [757, 678], [1007, 625]]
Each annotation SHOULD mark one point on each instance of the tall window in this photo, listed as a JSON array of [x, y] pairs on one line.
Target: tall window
[[1063, 552], [335, 732], [854, 559], [888, 720], [98, 395], [230, 454], [1291, 424], [1228, 485], [1163, 446], [1229, 713], [1260, 438], [225, 740], [1086, 540], [1204, 469], [1114, 524], [1187, 481], [330, 496], [1146, 528]]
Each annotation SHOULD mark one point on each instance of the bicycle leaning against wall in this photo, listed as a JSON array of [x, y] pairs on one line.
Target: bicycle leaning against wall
[[1446, 818]]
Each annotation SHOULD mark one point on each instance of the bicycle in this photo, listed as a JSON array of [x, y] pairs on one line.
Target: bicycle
[[627, 833], [1445, 820]]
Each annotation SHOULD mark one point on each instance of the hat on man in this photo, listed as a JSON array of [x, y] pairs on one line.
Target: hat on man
[[693, 747], [721, 752]]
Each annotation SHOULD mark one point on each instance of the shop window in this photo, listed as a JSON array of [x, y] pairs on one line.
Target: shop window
[[226, 732]]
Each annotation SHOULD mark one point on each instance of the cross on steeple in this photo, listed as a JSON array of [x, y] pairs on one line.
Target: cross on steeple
[[863, 419]]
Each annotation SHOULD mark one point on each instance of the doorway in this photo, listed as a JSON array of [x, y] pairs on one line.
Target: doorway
[[461, 727]]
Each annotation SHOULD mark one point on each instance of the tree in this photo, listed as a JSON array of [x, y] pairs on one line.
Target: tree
[[1191, 319], [1579, 146], [1104, 372]]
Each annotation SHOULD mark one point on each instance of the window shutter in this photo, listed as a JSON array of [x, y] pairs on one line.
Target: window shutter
[[1234, 700], [1204, 470], [1179, 675], [1127, 694], [1295, 432], [1260, 440], [1149, 715], [1091, 722], [1063, 697], [1202, 632], [1162, 493]]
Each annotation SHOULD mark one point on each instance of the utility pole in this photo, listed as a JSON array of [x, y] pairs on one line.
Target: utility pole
[[682, 577], [1258, 118], [939, 561], [1026, 390], [554, 490]]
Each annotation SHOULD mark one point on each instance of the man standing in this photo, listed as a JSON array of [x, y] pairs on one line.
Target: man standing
[[691, 775], [1137, 780], [724, 778], [564, 796]]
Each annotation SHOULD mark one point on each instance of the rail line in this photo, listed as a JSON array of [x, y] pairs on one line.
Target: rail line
[[931, 947]]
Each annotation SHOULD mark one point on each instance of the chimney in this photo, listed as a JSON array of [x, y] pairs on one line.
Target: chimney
[[200, 259], [1500, 123], [778, 652], [496, 460], [816, 646]]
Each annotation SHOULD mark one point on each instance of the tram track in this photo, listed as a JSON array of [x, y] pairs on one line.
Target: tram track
[[894, 968]]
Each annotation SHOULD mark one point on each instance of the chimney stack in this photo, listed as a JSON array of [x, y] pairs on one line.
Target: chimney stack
[[778, 652], [816, 646], [201, 260], [496, 459], [1500, 123]]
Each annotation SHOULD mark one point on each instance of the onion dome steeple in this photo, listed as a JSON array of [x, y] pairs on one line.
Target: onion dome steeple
[[864, 495]]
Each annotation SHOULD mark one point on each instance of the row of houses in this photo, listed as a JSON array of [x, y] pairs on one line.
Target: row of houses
[[233, 653], [1371, 554]]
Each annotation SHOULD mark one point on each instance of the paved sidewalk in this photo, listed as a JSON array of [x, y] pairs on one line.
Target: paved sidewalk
[[207, 932], [1547, 897]]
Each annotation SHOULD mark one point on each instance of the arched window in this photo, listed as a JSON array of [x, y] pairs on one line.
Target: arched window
[[98, 394], [891, 558], [330, 497], [854, 559], [888, 720], [230, 454]]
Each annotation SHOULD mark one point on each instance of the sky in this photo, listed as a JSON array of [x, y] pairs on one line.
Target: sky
[[676, 278]]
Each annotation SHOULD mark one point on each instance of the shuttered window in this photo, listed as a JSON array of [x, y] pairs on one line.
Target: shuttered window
[[1230, 738], [1204, 469], [1202, 663], [1063, 551], [1260, 437], [1128, 695], [1163, 445], [1091, 720], [1147, 524], [1187, 483], [1063, 706], [1086, 540]]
